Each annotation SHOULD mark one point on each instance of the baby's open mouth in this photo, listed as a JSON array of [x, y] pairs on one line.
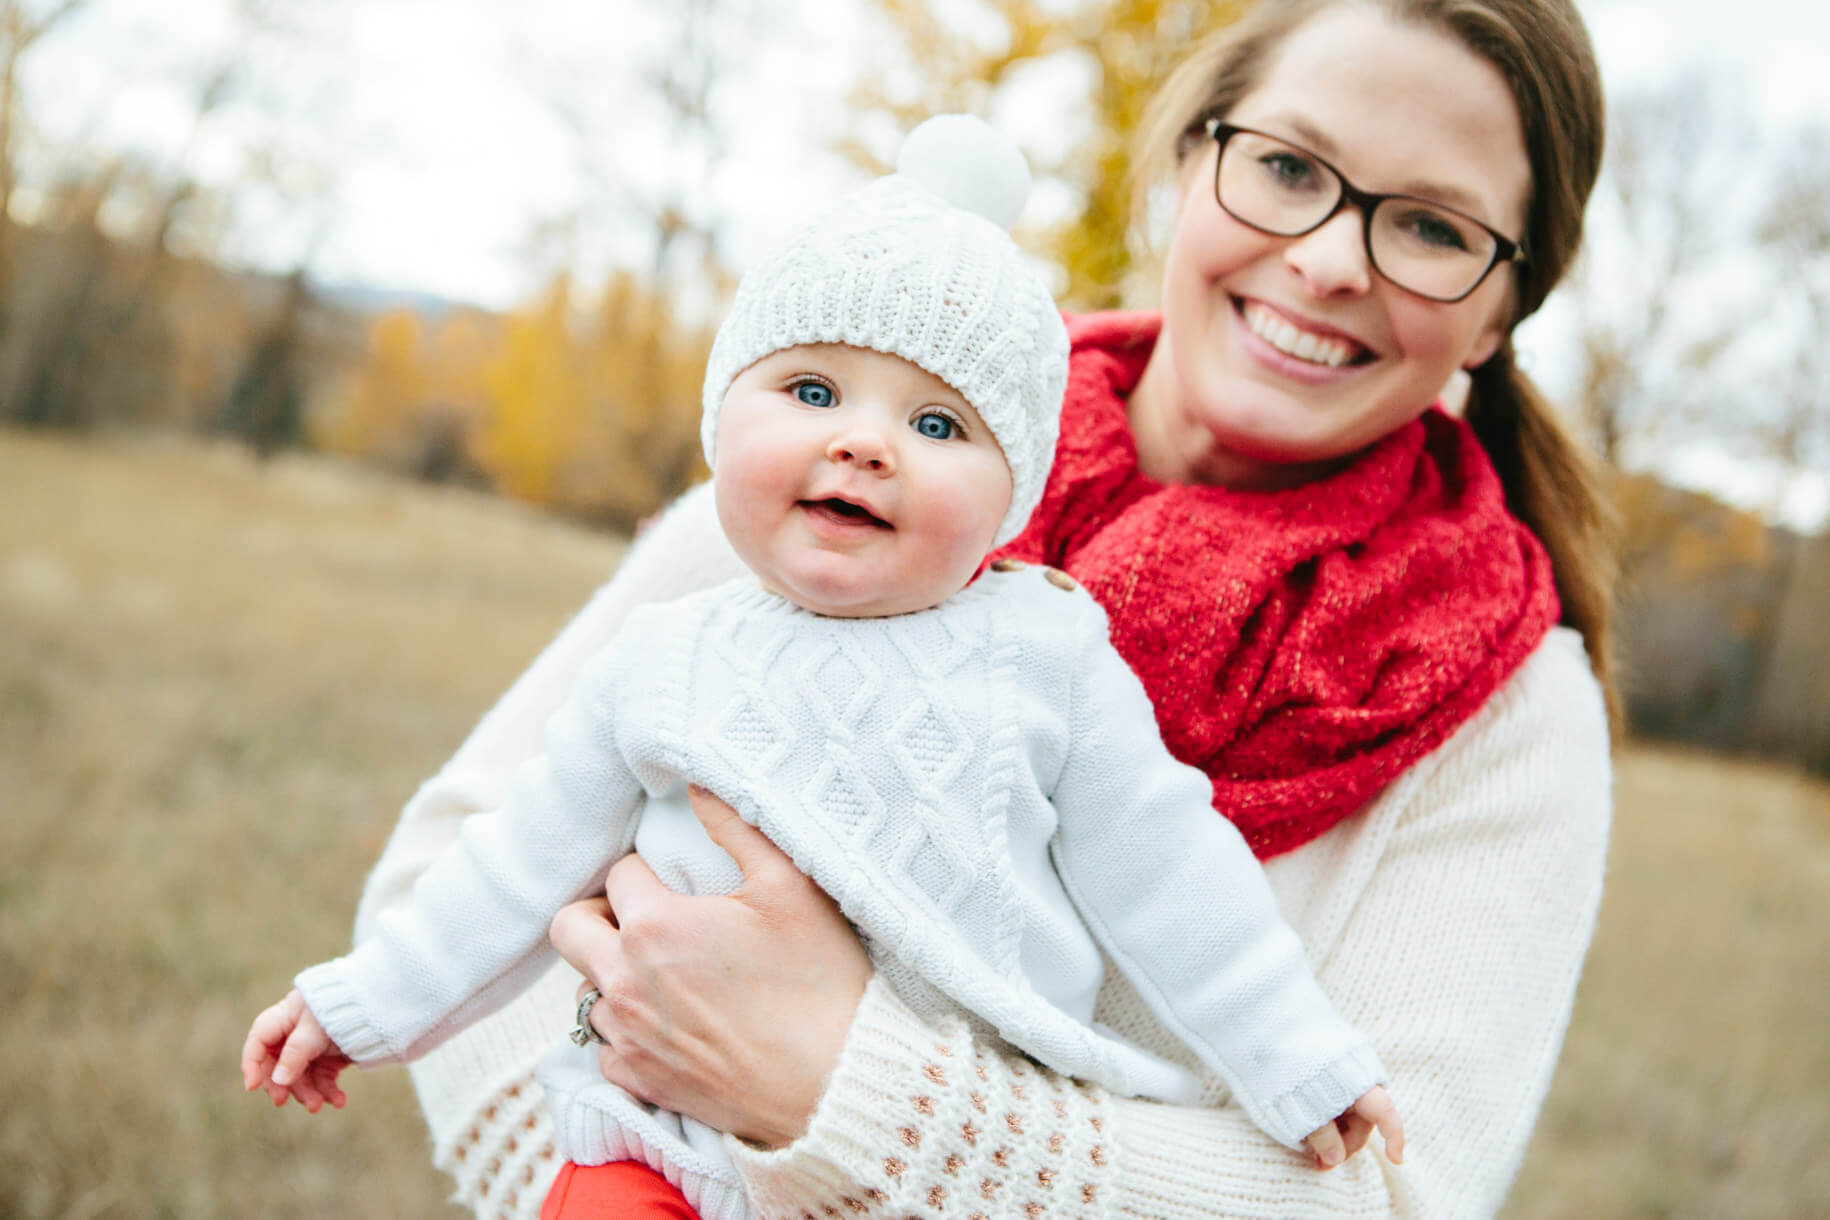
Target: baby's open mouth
[[846, 511]]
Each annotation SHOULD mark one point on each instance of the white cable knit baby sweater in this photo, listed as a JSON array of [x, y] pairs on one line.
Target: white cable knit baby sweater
[[981, 788], [1449, 921]]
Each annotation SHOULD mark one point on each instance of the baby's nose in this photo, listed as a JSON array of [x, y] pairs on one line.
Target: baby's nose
[[865, 448]]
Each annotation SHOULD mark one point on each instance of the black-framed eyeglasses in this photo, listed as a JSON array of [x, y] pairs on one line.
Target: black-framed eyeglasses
[[1423, 247]]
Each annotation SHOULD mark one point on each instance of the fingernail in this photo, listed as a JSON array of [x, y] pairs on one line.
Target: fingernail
[[1332, 1157], [282, 1077]]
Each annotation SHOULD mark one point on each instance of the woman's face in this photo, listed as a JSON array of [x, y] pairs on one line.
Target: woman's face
[[1396, 109]]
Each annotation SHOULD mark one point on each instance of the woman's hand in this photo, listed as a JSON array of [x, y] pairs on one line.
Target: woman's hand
[[732, 1009]]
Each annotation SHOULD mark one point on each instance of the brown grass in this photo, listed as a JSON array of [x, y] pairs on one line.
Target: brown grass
[[218, 682]]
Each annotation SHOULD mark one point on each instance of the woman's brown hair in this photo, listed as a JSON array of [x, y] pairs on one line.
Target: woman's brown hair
[[1553, 483]]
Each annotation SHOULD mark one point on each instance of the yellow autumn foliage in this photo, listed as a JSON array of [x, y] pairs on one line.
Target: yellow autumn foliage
[[1130, 44], [587, 405], [371, 414]]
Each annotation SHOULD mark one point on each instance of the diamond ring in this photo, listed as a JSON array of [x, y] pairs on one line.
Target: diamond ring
[[585, 1033]]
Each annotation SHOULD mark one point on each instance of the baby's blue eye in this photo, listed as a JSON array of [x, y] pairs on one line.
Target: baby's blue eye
[[814, 394], [935, 426]]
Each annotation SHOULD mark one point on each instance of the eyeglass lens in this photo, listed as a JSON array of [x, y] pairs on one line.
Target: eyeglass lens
[[1283, 189]]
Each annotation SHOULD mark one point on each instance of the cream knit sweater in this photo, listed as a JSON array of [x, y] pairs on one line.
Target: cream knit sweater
[[1449, 922]]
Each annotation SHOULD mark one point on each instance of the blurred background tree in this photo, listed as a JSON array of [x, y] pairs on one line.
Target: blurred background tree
[[1690, 333], [987, 56]]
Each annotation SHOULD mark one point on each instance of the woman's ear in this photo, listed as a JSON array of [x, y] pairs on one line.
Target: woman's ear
[[1488, 341], [1484, 347]]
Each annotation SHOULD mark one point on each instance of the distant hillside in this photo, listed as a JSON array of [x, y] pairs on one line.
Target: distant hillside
[[1723, 627]]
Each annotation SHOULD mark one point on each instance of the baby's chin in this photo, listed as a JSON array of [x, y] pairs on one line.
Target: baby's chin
[[853, 601]]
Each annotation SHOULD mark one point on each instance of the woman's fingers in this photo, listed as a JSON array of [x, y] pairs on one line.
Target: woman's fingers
[[682, 978], [580, 930], [634, 892], [749, 847], [586, 936]]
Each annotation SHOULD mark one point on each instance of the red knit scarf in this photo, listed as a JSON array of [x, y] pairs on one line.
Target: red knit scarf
[[1302, 647]]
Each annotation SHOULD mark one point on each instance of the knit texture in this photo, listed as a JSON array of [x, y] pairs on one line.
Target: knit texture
[[970, 1134], [1450, 922], [908, 267], [970, 783], [1302, 647], [487, 1116]]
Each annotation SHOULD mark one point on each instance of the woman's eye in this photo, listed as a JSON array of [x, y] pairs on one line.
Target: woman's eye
[[1288, 169], [814, 393], [935, 426], [1436, 231]]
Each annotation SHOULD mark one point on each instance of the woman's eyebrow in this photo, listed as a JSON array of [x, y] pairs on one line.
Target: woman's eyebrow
[[1314, 138]]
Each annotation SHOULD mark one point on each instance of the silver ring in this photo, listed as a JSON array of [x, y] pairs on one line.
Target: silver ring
[[584, 1033]]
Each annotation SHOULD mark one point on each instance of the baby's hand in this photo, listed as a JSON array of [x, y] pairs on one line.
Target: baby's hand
[[1347, 1134], [289, 1054]]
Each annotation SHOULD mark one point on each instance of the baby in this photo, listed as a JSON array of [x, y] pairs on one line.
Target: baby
[[966, 766]]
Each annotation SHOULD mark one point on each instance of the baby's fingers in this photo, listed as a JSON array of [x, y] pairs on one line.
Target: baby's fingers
[[324, 1075], [305, 1092], [307, 1041], [267, 1033], [1326, 1143], [1354, 1132], [1378, 1108]]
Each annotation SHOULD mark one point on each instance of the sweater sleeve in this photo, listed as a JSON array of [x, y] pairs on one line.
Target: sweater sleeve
[[1182, 908], [681, 553], [489, 1130], [1450, 922], [474, 934]]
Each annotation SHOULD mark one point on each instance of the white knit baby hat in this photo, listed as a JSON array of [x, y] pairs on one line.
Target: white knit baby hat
[[920, 264]]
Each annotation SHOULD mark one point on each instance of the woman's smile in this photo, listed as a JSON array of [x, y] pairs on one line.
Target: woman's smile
[[1281, 356], [1294, 350], [1301, 338]]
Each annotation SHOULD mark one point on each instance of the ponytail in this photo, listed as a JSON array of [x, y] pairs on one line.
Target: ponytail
[[1555, 486]]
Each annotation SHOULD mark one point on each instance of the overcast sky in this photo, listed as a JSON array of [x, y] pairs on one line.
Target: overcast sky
[[443, 157]]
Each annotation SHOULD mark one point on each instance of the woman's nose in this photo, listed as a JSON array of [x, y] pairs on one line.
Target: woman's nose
[[865, 447], [1332, 259]]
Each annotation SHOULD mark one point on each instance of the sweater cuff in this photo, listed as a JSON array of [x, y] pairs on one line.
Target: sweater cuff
[[920, 1120], [841, 1156], [1323, 1097], [334, 1003], [1184, 1162]]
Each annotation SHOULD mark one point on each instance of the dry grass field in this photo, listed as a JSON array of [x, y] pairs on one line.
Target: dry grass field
[[218, 682]]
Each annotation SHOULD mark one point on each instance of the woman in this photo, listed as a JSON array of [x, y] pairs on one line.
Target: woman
[[1321, 586]]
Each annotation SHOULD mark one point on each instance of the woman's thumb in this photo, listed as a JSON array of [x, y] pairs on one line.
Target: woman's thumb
[[749, 847]]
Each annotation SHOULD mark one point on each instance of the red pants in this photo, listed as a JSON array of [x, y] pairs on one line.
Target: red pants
[[611, 1192]]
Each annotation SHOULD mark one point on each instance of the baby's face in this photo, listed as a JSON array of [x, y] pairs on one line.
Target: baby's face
[[854, 483]]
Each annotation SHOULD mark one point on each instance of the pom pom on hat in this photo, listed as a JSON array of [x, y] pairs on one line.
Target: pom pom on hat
[[970, 164], [920, 265]]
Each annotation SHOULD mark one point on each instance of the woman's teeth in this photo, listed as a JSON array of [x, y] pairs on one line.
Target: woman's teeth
[[1293, 342]]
